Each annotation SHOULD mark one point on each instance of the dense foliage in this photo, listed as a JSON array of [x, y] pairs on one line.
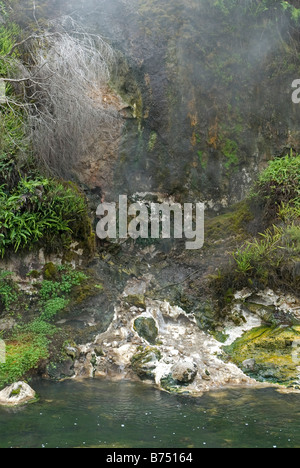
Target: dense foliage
[[278, 187], [28, 343], [33, 207], [38, 209], [272, 258]]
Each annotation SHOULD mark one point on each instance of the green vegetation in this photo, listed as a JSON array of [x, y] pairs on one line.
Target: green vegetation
[[28, 344], [271, 258], [227, 7], [8, 290], [24, 352], [267, 249], [293, 11], [278, 187], [274, 351], [34, 209], [38, 209], [53, 294], [278, 248]]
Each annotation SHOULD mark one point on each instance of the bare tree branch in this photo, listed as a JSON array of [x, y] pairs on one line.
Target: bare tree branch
[[68, 67]]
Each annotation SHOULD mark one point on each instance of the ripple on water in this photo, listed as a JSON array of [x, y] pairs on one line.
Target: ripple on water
[[98, 413]]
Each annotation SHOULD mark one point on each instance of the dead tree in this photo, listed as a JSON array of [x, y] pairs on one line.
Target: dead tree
[[65, 68]]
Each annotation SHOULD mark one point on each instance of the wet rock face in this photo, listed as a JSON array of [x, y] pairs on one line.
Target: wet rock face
[[203, 124], [180, 359], [268, 349]]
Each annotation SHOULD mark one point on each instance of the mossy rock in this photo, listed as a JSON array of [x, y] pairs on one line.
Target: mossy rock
[[169, 384], [206, 314], [184, 373], [145, 362], [34, 274], [266, 313], [173, 386], [234, 222], [146, 328], [61, 370], [50, 272], [275, 351], [137, 300]]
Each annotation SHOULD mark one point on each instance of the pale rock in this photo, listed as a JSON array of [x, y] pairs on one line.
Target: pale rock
[[17, 394]]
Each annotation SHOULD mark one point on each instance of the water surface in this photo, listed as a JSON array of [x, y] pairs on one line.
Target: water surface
[[99, 413]]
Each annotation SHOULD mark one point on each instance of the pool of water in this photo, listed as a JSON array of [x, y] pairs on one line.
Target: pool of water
[[99, 413]]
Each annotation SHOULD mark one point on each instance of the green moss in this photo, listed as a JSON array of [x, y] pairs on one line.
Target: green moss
[[34, 274], [137, 300], [144, 362], [146, 328], [275, 351], [15, 392], [230, 151], [152, 141], [232, 223], [50, 272]]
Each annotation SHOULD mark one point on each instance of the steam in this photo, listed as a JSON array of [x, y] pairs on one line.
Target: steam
[[215, 78]]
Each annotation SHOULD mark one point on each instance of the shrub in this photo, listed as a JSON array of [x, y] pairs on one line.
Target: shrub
[[38, 209], [53, 295], [279, 185], [271, 258], [25, 349], [52, 307], [265, 250]]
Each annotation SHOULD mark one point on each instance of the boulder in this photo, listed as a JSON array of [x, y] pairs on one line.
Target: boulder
[[17, 394], [184, 372], [146, 328], [145, 362]]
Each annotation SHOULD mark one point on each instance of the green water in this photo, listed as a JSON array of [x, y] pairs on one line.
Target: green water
[[97, 413]]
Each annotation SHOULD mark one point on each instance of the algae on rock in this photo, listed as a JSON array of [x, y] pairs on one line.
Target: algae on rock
[[274, 352], [146, 328], [145, 362]]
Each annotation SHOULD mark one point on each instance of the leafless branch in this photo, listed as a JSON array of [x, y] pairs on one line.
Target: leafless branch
[[68, 68]]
